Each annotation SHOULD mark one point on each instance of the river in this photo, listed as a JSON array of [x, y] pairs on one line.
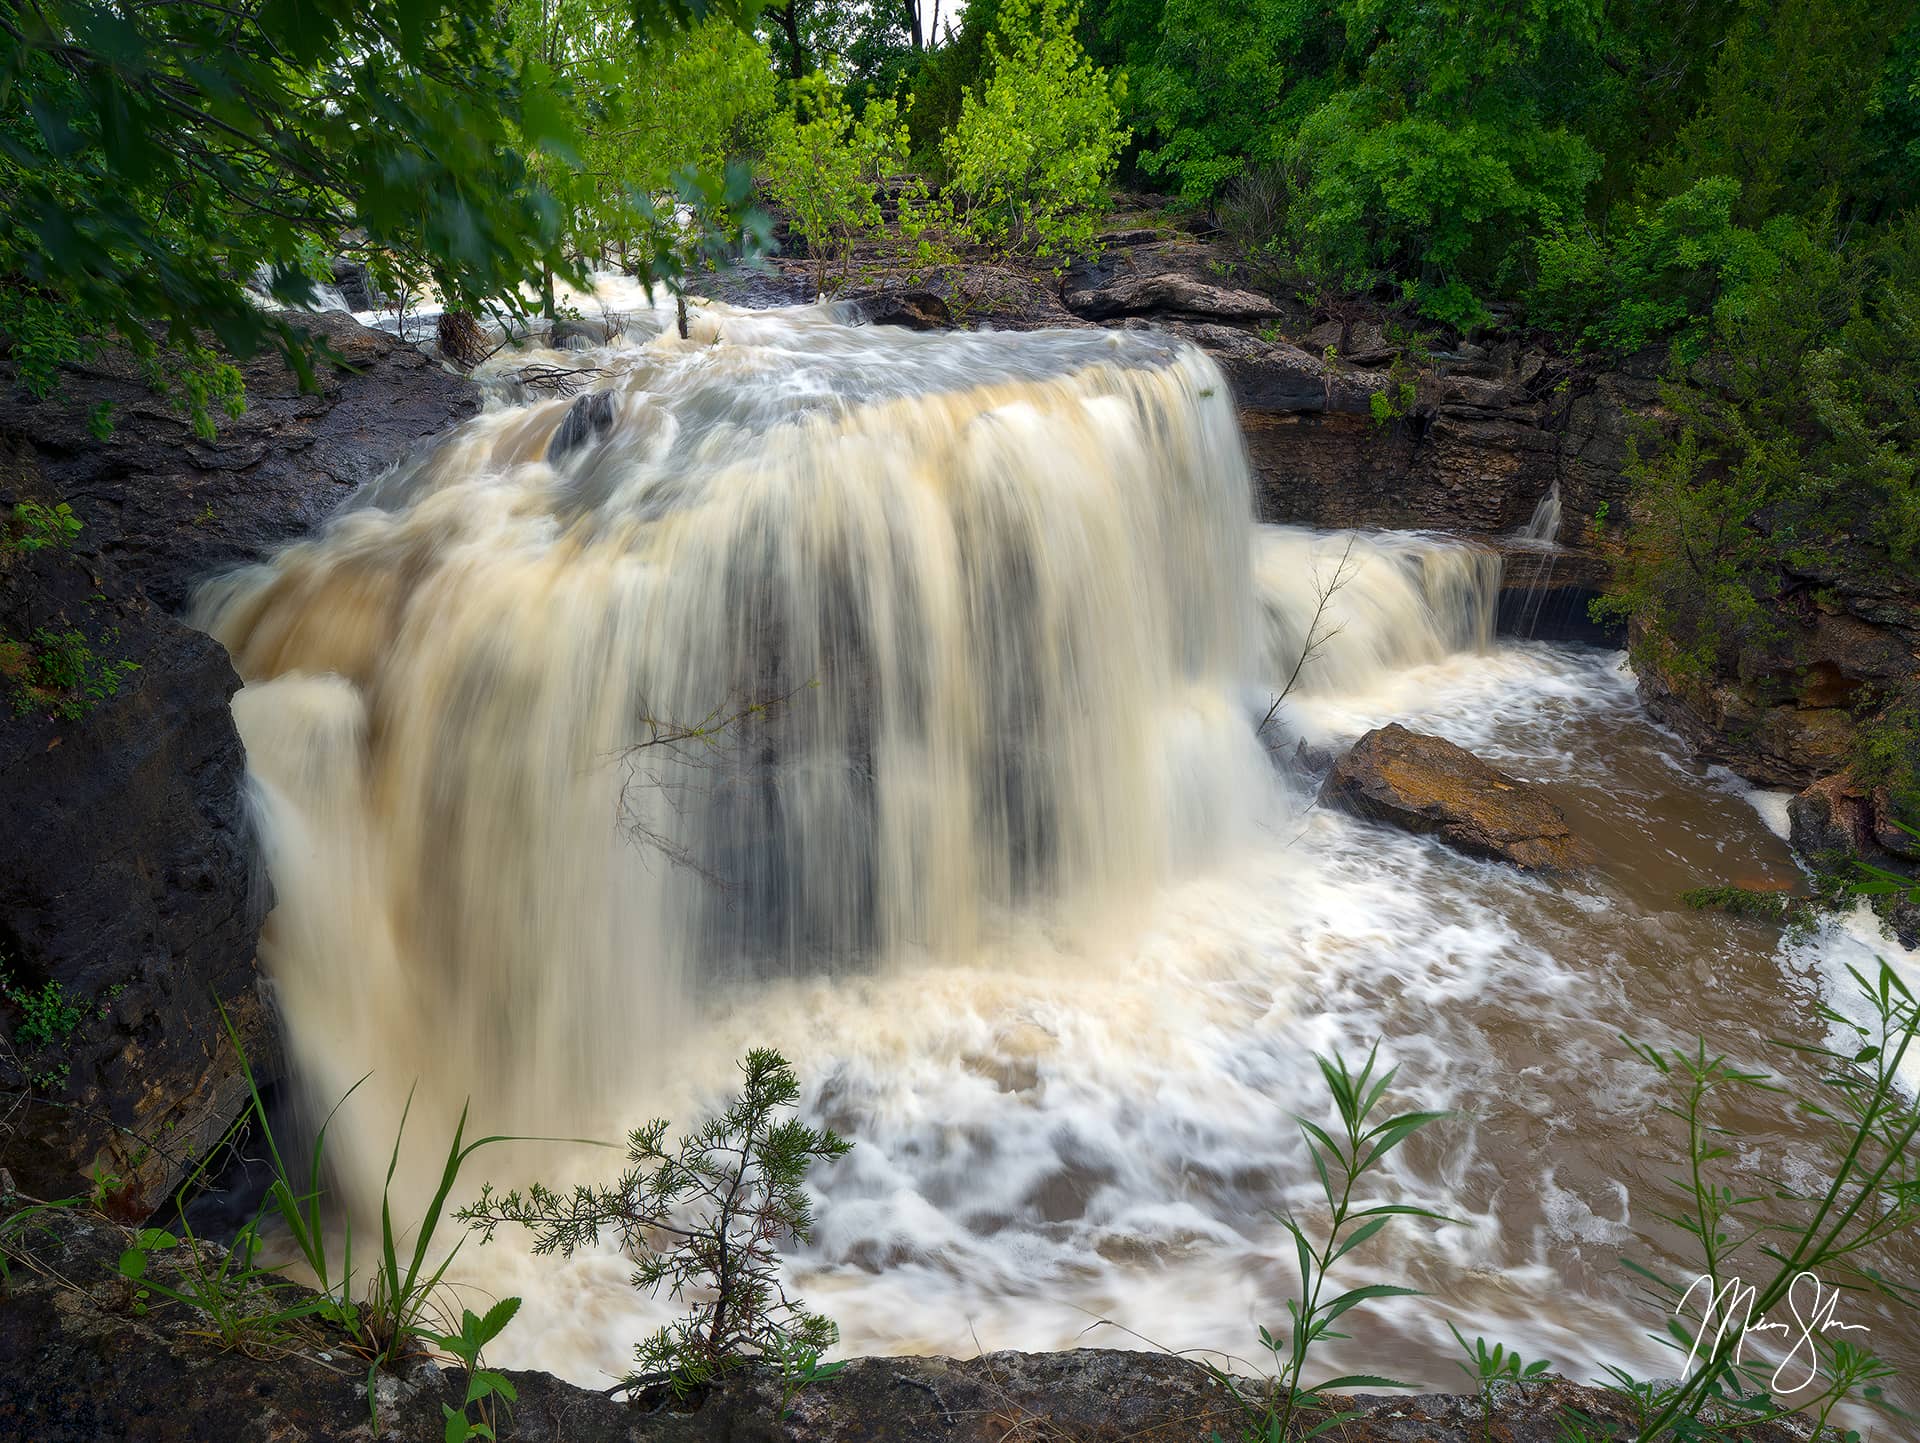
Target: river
[[973, 633]]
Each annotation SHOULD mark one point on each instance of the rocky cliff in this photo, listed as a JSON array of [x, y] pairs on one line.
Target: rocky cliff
[[129, 900]]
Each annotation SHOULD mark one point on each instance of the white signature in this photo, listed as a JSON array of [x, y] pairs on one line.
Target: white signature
[[1732, 1308]]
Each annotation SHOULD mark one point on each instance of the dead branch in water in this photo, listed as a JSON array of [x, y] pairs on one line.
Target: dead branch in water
[[704, 745], [1318, 633], [560, 380]]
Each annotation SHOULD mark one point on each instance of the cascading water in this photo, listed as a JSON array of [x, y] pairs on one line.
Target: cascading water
[[992, 850], [1544, 525]]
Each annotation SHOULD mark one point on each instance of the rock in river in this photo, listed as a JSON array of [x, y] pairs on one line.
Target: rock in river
[[1430, 786]]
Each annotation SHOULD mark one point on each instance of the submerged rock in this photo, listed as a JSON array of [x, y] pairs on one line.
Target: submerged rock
[[1428, 785], [910, 310], [588, 419]]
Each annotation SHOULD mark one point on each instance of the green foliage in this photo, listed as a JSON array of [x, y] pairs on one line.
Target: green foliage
[[1886, 753], [1036, 145], [701, 1219], [1793, 454], [155, 157], [1436, 203], [483, 1385], [1832, 1229], [50, 1018], [824, 168], [1342, 1163], [400, 1295], [1490, 1369], [38, 527], [797, 1362], [642, 119], [60, 674], [1658, 275]]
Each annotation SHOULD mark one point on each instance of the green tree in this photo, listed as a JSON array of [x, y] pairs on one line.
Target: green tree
[[644, 114], [824, 168], [154, 158], [1037, 144], [1794, 460], [703, 1219]]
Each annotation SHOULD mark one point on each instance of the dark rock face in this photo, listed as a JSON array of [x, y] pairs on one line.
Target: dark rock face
[[1836, 822], [167, 509], [126, 880], [911, 310], [1430, 786], [1545, 593], [77, 1365], [1786, 713]]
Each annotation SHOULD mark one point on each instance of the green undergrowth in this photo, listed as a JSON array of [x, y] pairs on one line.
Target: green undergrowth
[[703, 1217]]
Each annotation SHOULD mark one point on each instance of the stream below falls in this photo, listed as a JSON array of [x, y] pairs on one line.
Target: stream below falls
[[975, 631]]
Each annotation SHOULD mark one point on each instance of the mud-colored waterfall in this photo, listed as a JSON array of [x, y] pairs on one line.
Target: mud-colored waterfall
[[817, 646], [891, 699]]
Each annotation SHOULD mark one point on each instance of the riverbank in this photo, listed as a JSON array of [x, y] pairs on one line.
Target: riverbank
[[125, 1108], [82, 1361]]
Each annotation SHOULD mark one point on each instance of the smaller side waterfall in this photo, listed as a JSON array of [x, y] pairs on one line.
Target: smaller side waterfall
[[1544, 525], [1364, 607]]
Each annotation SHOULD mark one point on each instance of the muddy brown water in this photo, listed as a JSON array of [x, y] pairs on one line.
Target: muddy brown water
[[1044, 927]]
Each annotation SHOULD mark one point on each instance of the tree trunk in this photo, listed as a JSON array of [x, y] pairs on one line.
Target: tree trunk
[[461, 340]]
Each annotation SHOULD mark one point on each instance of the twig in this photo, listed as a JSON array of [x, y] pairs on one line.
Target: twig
[[1317, 639], [933, 1392]]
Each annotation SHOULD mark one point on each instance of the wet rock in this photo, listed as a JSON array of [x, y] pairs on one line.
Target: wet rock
[[588, 419], [1836, 825], [167, 508], [1428, 785], [911, 310], [78, 1365], [1546, 593], [568, 334], [355, 283], [1097, 296], [126, 878], [1830, 819]]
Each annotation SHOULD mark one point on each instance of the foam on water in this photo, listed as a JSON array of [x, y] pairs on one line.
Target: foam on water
[[1046, 929]]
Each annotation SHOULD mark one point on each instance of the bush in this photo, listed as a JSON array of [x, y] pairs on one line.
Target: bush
[[1036, 146], [824, 168], [1793, 454], [702, 1218], [1658, 275], [1437, 204], [58, 672]]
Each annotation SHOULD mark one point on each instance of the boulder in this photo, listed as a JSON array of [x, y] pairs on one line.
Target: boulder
[[1095, 296], [911, 310], [128, 889], [1830, 820], [589, 418], [1428, 785]]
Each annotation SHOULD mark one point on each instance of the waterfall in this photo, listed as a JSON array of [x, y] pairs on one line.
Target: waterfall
[[1544, 525], [891, 699], [958, 626]]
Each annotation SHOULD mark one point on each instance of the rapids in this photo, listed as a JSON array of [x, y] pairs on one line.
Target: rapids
[[890, 699]]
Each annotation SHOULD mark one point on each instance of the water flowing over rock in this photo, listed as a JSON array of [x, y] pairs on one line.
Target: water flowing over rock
[[126, 876], [978, 604], [1836, 823], [1428, 785]]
